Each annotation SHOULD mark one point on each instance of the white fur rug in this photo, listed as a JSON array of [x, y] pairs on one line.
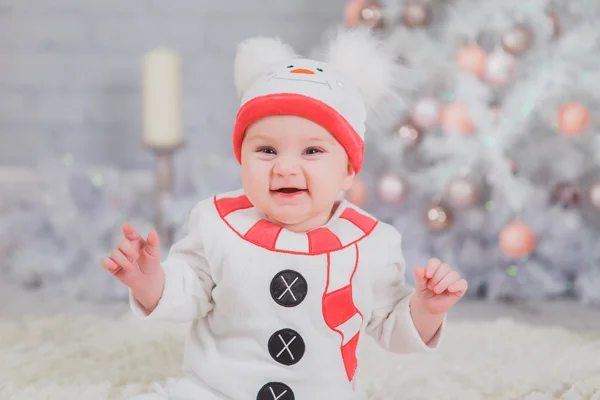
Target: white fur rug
[[89, 358]]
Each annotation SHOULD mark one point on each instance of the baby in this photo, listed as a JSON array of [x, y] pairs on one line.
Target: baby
[[282, 279]]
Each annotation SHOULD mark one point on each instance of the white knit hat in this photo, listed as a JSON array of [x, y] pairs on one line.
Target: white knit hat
[[272, 80]]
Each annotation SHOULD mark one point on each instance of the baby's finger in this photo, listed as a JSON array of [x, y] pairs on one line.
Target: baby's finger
[[420, 273], [459, 287], [152, 246], [420, 281], [446, 281], [109, 264], [440, 273], [128, 249], [133, 235], [122, 260], [432, 266]]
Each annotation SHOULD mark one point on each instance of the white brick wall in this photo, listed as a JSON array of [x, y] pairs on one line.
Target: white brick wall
[[70, 69]]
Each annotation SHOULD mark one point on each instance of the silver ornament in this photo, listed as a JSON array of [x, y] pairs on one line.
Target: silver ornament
[[518, 40], [463, 191], [500, 68], [392, 188], [416, 14], [426, 113], [594, 195]]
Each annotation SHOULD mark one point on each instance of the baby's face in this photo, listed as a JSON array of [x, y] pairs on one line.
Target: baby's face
[[293, 170]]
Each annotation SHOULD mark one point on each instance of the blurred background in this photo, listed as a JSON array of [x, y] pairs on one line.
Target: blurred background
[[489, 159]]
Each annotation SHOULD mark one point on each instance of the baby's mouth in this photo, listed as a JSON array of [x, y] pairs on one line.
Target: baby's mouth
[[289, 190]]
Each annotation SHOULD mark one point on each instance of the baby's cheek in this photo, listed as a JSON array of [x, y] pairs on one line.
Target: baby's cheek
[[327, 180], [253, 174]]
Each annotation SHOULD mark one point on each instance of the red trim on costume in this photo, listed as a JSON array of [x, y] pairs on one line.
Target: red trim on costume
[[303, 106], [322, 240], [227, 205], [264, 233], [362, 221], [349, 356], [338, 306], [348, 350]]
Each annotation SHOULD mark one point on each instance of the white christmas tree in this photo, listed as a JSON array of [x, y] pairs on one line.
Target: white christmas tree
[[492, 159], [55, 232]]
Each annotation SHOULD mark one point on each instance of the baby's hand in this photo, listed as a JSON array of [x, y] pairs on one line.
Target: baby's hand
[[136, 263], [438, 287]]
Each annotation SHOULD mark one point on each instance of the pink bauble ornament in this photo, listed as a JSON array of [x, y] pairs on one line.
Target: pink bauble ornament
[[426, 113], [473, 59], [517, 240], [573, 119], [409, 133], [416, 14], [391, 188], [455, 117], [518, 40], [500, 69], [363, 12], [358, 193], [463, 191], [439, 217]]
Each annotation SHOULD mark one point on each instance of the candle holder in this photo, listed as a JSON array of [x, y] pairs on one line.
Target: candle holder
[[163, 189]]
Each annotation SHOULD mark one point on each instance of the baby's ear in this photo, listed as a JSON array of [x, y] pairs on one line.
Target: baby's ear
[[349, 179], [255, 55]]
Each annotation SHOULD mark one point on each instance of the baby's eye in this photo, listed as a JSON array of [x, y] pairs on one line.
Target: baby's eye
[[266, 150], [319, 69], [313, 150]]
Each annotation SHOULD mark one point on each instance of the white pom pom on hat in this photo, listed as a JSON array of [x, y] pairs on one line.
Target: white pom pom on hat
[[255, 55], [355, 76]]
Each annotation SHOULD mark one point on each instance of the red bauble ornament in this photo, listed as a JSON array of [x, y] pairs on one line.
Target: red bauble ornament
[[472, 59], [455, 117], [517, 240], [573, 119]]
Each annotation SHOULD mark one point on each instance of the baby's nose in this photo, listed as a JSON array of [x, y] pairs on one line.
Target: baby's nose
[[286, 166]]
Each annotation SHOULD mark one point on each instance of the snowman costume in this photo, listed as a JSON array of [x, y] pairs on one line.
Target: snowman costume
[[276, 314]]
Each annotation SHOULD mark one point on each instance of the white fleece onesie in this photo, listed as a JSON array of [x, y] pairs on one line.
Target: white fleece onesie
[[279, 315]]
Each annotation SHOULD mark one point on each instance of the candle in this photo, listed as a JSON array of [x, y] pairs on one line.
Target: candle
[[162, 99]]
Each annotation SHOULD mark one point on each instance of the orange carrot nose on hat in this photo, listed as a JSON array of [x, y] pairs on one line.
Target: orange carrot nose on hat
[[272, 80]]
